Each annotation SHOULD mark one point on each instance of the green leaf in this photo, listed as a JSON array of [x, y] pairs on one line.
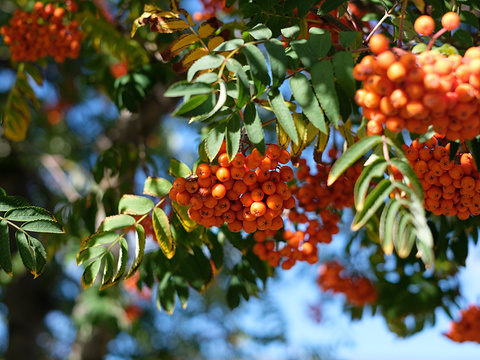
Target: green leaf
[[28, 213], [284, 116], [26, 253], [90, 273], [362, 185], [161, 226], [122, 260], [90, 253], [260, 32], [2, 192], [40, 256], [291, 32], [347, 38], [195, 102], [319, 42], [107, 271], [243, 83], [155, 186], [474, 147], [406, 170], [181, 212], [303, 94], [33, 71], [11, 202], [454, 146], [352, 155], [181, 286], [258, 67], [404, 237], [304, 53], [115, 222], [5, 253], [135, 205], [186, 88], [179, 169], [328, 6], [214, 140], [343, 66], [211, 61], [254, 128], [278, 60], [233, 134], [229, 45], [100, 238], [139, 250], [324, 85], [373, 202], [387, 219], [166, 293], [43, 226]]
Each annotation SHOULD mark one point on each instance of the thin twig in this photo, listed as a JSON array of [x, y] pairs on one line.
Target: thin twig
[[387, 14], [400, 28]]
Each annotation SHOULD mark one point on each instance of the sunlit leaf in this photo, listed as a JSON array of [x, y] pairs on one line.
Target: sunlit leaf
[[135, 205], [139, 250], [114, 222], [284, 116], [155, 186], [161, 226], [324, 86], [90, 273]]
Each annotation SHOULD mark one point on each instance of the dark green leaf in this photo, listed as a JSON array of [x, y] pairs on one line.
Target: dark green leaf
[[260, 32], [303, 7], [43, 226], [243, 83], [122, 260], [5, 253], [186, 88], [107, 271], [90, 273], [278, 60], [328, 6], [324, 85], [284, 116], [155, 186], [474, 147], [303, 94], [182, 290], [373, 202], [114, 222], [254, 128], [139, 250], [179, 169], [347, 38], [343, 66], [319, 42], [166, 293], [28, 213], [304, 53], [195, 102], [90, 253], [233, 134], [211, 61], [258, 67], [12, 202], [135, 205], [161, 226], [215, 139], [352, 155], [454, 146]]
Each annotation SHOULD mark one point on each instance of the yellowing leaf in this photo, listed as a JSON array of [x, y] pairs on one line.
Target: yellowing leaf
[[420, 4], [189, 59], [181, 43], [214, 42]]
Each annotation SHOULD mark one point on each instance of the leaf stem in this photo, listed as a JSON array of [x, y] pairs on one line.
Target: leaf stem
[[387, 14]]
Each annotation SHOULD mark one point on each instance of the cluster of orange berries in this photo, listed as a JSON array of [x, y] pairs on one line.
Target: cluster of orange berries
[[315, 199], [41, 33], [211, 8], [359, 291], [248, 193], [468, 327], [450, 187], [404, 91]]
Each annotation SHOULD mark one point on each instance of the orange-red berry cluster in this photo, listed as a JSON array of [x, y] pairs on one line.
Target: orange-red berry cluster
[[315, 199], [359, 291], [468, 327], [402, 90], [248, 193], [450, 187], [43, 32]]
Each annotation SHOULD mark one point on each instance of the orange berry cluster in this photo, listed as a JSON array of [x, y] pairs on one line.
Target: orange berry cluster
[[359, 291], [450, 187], [41, 33], [316, 198], [468, 327], [404, 91], [248, 193]]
